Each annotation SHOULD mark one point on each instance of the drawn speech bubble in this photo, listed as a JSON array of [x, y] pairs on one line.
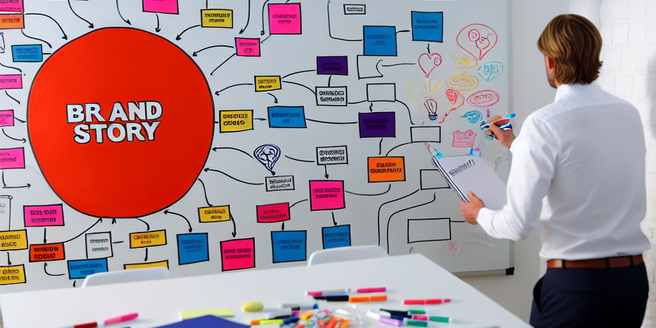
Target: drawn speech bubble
[[490, 71], [477, 39]]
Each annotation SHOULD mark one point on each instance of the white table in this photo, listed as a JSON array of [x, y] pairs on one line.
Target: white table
[[159, 302]]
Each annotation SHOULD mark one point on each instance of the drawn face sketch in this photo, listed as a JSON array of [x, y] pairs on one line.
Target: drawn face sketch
[[483, 43]]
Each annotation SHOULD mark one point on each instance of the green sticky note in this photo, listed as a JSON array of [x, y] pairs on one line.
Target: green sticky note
[[224, 312]]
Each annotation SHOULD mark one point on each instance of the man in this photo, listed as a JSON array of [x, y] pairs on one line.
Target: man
[[579, 168]]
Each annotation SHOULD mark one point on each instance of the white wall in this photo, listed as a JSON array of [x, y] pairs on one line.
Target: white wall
[[530, 92], [628, 28]]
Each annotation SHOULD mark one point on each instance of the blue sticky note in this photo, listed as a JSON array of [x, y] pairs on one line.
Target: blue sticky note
[[27, 53], [427, 26], [379, 40], [286, 117], [338, 236], [80, 269], [289, 246], [192, 248]]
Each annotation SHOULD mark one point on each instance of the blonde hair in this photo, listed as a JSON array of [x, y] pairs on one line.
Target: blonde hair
[[574, 44]]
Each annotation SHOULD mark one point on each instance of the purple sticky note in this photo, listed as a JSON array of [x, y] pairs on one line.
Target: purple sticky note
[[332, 65], [377, 125]]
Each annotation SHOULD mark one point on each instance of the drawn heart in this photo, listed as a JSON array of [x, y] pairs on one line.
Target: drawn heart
[[427, 62], [477, 40]]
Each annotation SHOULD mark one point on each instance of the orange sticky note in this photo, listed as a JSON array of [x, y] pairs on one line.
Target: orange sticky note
[[12, 21]]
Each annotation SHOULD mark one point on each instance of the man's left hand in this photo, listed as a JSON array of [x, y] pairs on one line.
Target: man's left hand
[[470, 210]]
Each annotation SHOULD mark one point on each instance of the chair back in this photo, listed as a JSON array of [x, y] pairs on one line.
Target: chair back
[[113, 277], [346, 254]]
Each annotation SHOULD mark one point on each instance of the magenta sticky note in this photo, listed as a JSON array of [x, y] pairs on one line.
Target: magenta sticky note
[[12, 158], [43, 215], [285, 18], [247, 47], [161, 6], [326, 195], [13, 81]]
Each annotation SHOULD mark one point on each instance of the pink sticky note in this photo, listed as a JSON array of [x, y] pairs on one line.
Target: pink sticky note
[[247, 47], [14, 81], [6, 118], [44, 215], [15, 6], [161, 6], [12, 158], [326, 195], [238, 254], [285, 18], [273, 213]]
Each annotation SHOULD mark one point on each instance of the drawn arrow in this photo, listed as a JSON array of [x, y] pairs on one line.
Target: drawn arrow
[[249, 18], [182, 216], [357, 102], [14, 99], [302, 85], [157, 29], [300, 160], [403, 210], [19, 120], [411, 249], [408, 108], [334, 222], [33, 38], [329, 78], [204, 192], [329, 29], [380, 145], [389, 187], [6, 135], [146, 258], [267, 38], [74, 281], [299, 72], [234, 226], [231, 86], [283, 225], [78, 16], [428, 47], [325, 171], [402, 31], [65, 37], [147, 225], [4, 185], [45, 264], [263, 5], [300, 201], [81, 233], [275, 100], [16, 68], [119, 13], [232, 148], [259, 118], [114, 221], [8, 259], [326, 122], [225, 61], [179, 36], [44, 235], [389, 202], [231, 177], [216, 46], [399, 64], [118, 242], [399, 145], [371, 107]]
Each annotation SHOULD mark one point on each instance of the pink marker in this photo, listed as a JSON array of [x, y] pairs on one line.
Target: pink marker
[[438, 300], [414, 302], [421, 317], [371, 290], [122, 318]]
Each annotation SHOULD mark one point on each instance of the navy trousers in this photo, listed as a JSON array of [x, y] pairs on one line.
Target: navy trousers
[[614, 297]]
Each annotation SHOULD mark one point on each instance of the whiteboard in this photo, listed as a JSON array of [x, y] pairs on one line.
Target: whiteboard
[[211, 136]]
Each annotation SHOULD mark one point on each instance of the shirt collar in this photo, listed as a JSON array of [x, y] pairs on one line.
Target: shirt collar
[[567, 89]]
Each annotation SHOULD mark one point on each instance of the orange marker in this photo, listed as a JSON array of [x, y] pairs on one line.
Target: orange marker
[[378, 298], [358, 299]]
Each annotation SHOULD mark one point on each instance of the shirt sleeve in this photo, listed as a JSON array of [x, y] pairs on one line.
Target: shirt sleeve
[[533, 166]]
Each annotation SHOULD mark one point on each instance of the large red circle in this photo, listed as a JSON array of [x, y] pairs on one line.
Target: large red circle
[[120, 178]]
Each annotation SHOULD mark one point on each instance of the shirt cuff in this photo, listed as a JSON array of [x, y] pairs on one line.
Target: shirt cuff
[[484, 219]]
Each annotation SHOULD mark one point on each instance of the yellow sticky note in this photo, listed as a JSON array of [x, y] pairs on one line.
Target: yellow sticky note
[[224, 312]]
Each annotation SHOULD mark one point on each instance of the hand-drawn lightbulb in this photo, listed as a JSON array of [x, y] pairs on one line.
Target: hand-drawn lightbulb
[[431, 107], [267, 155]]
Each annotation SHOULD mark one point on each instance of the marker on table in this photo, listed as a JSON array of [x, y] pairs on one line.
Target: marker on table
[[383, 319], [371, 290], [403, 313], [329, 292], [427, 301], [333, 298], [122, 318], [86, 325]]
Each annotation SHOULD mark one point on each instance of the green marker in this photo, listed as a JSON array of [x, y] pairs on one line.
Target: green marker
[[440, 319], [416, 323], [271, 322], [417, 311]]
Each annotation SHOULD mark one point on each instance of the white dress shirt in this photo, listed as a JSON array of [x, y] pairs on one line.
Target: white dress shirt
[[579, 167]]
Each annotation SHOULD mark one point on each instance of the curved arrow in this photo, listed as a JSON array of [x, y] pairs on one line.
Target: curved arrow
[[225, 61], [51, 274], [329, 30], [179, 36], [275, 100], [326, 122], [157, 29], [232, 148], [19, 120], [182, 216], [33, 38], [408, 108], [399, 145], [147, 225], [249, 18], [356, 102], [65, 37], [231, 86], [146, 258], [300, 85], [119, 13], [300, 201], [334, 222], [4, 185], [379, 194], [78, 16], [16, 68], [8, 259], [216, 46], [6, 135], [402, 210], [99, 220], [234, 226], [204, 192], [233, 178], [264, 4], [299, 72], [389, 202], [300, 160]]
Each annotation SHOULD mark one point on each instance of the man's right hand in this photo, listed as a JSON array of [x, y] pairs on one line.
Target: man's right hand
[[506, 137]]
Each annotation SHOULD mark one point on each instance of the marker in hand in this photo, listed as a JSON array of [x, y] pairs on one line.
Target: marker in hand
[[503, 123]]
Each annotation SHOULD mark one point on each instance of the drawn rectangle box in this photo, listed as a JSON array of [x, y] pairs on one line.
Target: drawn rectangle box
[[332, 155], [385, 92], [27, 53], [430, 229], [353, 9], [331, 96], [426, 134], [282, 182], [432, 179]]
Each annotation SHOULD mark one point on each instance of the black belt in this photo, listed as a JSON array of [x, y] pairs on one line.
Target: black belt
[[603, 263]]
